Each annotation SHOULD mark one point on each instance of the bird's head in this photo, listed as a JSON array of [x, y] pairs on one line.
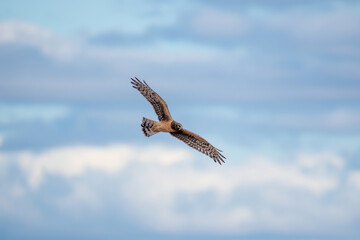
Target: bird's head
[[176, 126]]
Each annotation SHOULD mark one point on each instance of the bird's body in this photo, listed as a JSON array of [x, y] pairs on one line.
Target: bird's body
[[163, 126], [167, 124]]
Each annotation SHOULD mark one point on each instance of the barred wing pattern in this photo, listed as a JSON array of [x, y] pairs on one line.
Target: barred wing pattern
[[200, 144], [160, 106]]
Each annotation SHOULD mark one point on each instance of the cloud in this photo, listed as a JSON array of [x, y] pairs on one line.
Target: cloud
[[180, 193], [354, 179], [261, 28], [24, 33], [338, 22], [70, 162], [198, 28], [281, 77], [94, 71], [165, 192], [320, 160]]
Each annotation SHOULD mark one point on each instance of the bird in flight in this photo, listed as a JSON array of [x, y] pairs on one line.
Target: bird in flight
[[167, 124]]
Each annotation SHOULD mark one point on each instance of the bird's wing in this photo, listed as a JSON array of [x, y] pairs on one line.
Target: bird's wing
[[200, 144], [160, 106]]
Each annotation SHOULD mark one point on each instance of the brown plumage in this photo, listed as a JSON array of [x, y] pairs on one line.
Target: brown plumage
[[167, 124]]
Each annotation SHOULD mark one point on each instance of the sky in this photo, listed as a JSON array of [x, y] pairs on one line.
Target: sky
[[275, 84]]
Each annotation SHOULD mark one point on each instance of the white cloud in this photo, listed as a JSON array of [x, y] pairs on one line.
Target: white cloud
[[21, 32], [320, 161], [263, 189], [75, 161], [51, 45], [162, 190]]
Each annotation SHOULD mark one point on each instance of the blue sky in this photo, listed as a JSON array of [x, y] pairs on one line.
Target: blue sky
[[274, 84]]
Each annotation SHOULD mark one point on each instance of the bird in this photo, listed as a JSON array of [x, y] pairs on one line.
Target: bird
[[167, 124]]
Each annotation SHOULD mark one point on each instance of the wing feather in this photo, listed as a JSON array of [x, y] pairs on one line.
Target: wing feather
[[159, 105], [200, 144]]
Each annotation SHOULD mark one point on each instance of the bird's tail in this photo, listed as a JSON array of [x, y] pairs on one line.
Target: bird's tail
[[147, 127]]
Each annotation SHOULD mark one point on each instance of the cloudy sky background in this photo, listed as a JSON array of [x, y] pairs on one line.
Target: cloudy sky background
[[275, 84]]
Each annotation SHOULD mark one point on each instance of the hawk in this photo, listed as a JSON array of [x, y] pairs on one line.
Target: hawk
[[167, 124]]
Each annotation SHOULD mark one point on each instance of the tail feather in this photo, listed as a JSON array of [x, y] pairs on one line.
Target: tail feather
[[146, 127]]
